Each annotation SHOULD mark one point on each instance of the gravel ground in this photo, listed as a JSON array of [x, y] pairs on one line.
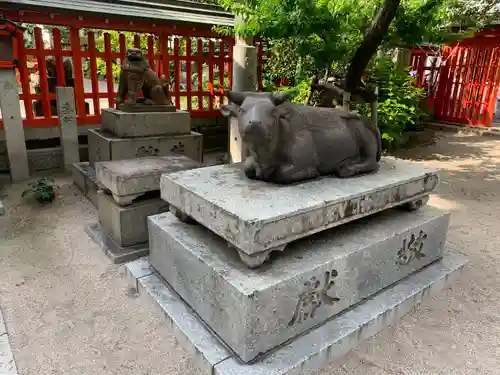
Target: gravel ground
[[69, 311]]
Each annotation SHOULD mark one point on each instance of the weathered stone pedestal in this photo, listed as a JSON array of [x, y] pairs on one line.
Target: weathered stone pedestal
[[257, 218], [129, 193], [355, 255], [135, 132]]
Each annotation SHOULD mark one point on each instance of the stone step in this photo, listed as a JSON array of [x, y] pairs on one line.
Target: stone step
[[309, 352], [104, 146], [254, 311], [131, 178], [143, 124], [258, 217]]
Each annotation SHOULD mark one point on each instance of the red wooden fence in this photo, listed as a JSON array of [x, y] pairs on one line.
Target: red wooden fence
[[467, 80], [205, 61]]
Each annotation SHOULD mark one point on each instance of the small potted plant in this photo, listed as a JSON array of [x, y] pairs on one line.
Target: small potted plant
[[43, 190]]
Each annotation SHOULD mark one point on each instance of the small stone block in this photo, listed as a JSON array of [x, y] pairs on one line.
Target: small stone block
[[137, 269], [2, 209], [254, 311], [320, 346], [135, 177], [134, 108], [104, 146], [84, 178], [256, 216], [116, 253], [144, 124], [127, 226]]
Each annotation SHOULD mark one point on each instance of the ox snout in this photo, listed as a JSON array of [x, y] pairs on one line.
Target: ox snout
[[254, 130]]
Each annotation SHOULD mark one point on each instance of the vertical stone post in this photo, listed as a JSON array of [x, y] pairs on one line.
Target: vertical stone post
[[244, 79], [68, 126], [10, 103], [13, 125]]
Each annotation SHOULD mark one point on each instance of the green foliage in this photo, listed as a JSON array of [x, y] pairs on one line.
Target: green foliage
[[43, 190], [399, 99]]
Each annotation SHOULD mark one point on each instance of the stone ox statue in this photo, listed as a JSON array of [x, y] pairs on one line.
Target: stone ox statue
[[289, 143]]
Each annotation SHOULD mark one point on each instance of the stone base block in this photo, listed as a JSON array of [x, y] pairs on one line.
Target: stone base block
[[141, 107], [85, 179], [127, 225], [116, 253], [143, 124], [311, 351], [258, 217], [129, 179], [104, 146], [317, 278]]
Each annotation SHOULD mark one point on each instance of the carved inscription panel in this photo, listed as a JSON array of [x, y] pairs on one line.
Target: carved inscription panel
[[146, 151], [315, 295], [411, 248]]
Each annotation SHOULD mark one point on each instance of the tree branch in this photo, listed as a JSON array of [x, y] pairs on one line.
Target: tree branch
[[371, 42]]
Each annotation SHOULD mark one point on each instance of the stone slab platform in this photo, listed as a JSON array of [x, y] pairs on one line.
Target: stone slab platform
[[104, 146], [116, 253], [84, 178], [254, 311], [143, 124], [127, 226], [310, 352], [257, 217], [129, 179]]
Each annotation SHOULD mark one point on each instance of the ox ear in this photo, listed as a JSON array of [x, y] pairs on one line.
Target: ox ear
[[235, 97], [229, 110], [280, 98]]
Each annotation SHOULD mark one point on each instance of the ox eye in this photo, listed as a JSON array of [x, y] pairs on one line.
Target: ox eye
[[240, 110]]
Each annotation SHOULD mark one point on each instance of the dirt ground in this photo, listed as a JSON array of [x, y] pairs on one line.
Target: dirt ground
[[69, 311]]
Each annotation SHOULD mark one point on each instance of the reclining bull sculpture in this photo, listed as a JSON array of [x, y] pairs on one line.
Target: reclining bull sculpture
[[290, 143]]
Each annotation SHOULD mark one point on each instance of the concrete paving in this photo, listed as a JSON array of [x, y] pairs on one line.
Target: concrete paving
[[68, 310]]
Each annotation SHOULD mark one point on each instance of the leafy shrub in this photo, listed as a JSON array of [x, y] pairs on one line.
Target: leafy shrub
[[399, 98], [42, 190]]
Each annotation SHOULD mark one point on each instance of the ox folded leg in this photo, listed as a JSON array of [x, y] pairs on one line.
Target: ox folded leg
[[288, 173], [349, 167]]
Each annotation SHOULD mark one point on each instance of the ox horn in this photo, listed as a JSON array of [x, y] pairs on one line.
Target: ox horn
[[235, 97]]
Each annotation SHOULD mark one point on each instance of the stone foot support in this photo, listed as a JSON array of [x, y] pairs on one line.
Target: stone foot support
[[258, 259], [416, 204], [125, 200], [182, 216]]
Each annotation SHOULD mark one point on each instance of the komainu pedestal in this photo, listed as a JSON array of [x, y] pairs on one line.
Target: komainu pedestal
[[257, 217]]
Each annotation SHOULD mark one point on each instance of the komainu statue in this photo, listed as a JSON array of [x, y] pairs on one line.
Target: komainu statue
[[136, 75], [290, 143]]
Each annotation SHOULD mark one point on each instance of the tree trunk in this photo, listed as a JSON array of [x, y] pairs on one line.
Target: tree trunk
[[371, 42]]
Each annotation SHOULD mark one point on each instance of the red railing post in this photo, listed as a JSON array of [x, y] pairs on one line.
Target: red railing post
[[78, 71], [93, 73], [109, 70], [177, 74], [199, 66], [42, 68], [189, 61]]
